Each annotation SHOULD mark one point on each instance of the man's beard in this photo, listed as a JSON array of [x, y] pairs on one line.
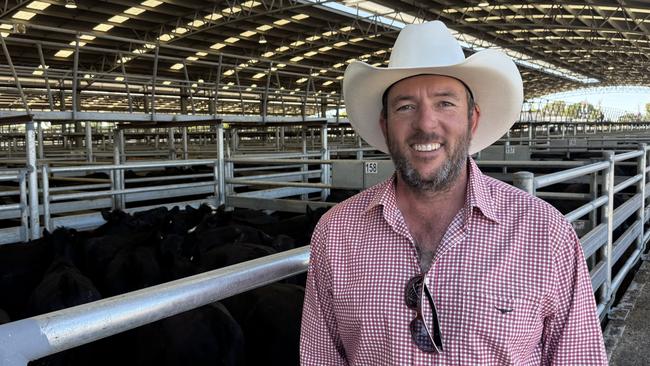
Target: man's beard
[[441, 179]]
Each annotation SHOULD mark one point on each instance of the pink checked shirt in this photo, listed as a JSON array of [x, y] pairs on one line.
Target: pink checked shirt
[[509, 281]]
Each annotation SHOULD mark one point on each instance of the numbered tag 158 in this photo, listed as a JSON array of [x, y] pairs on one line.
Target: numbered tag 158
[[371, 168]]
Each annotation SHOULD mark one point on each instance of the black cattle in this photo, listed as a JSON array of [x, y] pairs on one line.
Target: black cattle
[[66, 243], [340, 195], [270, 318], [4, 317], [253, 218], [299, 227], [206, 336], [217, 218], [98, 254], [175, 259], [132, 251], [229, 254], [116, 221], [283, 242], [121, 223], [22, 267], [132, 268], [179, 222], [63, 286], [201, 241], [214, 338]]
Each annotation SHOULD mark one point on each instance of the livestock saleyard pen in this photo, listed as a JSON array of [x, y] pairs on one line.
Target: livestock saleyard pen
[[608, 210], [118, 112]]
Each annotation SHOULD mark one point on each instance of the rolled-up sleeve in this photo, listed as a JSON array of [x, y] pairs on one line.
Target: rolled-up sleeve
[[319, 342], [572, 334]]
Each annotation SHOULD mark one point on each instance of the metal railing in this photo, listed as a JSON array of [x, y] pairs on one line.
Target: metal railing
[[602, 250], [32, 338], [18, 210], [117, 191]]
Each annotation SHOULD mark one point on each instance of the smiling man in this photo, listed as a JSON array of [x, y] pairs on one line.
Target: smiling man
[[441, 264]]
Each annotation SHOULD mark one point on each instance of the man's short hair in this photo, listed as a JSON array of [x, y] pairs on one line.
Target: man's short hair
[[470, 100]]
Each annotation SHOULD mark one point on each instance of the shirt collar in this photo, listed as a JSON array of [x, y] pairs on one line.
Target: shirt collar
[[478, 195]]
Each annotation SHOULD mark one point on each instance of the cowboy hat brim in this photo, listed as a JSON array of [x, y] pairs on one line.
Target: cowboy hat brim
[[491, 76]]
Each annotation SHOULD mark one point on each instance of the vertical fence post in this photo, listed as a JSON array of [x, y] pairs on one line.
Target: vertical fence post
[[640, 213], [593, 214], [524, 181], [119, 158], [608, 218], [186, 153], [122, 145], [217, 182], [89, 142], [325, 155], [45, 171], [170, 143], [24, 206], [359, 143], [221, 167], [32, 171], [304, 168], [117, 174], [41, 152]]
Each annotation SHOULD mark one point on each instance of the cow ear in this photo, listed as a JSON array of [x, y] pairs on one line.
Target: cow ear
[[106, 214], [174, 209], [46, 233]]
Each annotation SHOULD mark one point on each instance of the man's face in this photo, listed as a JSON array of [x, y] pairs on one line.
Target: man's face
[[428, 131]]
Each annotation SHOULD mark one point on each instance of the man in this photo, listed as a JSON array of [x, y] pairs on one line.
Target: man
[[441, 264]]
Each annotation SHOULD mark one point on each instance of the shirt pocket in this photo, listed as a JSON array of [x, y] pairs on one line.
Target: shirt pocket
[[505, 329]]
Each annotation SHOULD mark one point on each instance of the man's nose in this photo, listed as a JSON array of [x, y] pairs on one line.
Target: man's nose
[[427, 120]]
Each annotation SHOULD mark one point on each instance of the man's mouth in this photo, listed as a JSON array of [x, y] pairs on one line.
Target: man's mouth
[[426, 147]]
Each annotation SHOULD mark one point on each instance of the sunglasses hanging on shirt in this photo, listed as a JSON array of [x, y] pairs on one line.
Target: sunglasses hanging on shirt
[[427, 339]]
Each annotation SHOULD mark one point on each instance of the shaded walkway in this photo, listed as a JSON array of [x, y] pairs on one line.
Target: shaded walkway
[[627, 335]]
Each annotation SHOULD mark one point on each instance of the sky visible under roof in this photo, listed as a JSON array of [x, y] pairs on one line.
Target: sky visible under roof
[[617, 99]]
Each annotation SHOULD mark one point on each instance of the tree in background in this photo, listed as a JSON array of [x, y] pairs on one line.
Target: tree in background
[[630, 117], [576, 111]]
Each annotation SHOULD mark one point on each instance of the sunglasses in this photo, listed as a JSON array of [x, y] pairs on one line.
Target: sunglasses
[[427, 339]]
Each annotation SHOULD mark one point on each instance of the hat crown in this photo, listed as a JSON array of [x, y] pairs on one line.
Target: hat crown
[[428, 44]]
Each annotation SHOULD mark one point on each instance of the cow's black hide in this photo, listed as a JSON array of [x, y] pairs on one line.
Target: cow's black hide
[[132, 268], [270, 318], [63, 286], [229, 254], [4, 317], [22, 267]]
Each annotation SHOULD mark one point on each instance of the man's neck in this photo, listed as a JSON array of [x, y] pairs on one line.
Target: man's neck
[[428, 214], [432, 203]]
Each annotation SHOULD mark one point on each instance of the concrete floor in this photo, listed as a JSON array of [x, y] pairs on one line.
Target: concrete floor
[[627, 336]]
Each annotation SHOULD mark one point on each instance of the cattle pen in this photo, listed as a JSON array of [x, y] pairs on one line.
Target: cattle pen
[[163, 164], [612, 231]]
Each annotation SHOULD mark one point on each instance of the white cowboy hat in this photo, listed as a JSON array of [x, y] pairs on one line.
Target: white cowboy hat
[[430, 48]]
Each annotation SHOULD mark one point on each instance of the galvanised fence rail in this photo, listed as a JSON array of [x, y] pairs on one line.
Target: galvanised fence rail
[[616, 233]]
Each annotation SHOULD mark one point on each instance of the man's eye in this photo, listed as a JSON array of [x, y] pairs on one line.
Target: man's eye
[[406, 107], [445, 103]]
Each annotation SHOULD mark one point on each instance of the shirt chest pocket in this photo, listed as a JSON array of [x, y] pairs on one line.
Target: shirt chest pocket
[[501, 325]]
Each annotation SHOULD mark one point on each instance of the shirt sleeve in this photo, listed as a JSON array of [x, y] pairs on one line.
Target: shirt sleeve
[[572, 335], [319, 340]]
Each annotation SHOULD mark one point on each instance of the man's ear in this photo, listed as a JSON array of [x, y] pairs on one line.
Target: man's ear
[[476, 116], [382, 123]]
